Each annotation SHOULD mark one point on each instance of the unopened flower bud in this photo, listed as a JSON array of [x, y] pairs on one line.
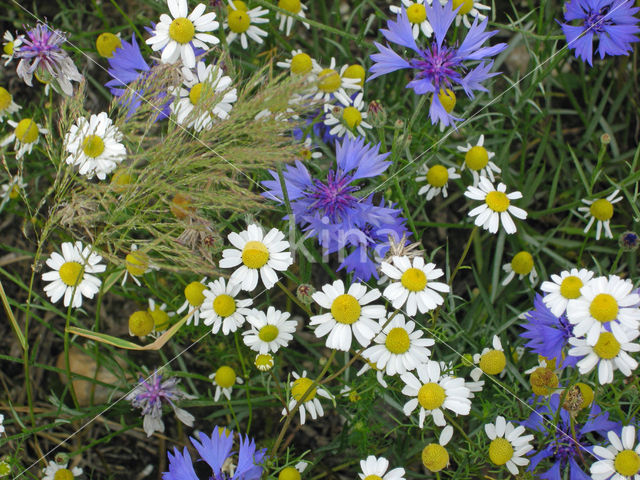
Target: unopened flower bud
[[377, 115], [629, 241], [605, 139], [304, 292]]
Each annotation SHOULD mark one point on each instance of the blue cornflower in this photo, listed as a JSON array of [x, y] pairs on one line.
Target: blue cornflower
[[548, 335], [215, 450], [560, 444], [611, 21], [439, 66]]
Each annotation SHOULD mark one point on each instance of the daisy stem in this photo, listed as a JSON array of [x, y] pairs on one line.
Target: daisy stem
[[245, 377], [458, 427], [67, 363], [614, 265], [295, 299]]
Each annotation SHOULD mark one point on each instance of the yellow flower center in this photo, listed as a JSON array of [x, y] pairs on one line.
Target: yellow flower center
[[93, 146], [354, 396], [5, 468], [602, 209], [543, 381], [355, 71], [467, 5], [5, 99], [417, 13], [268, 333], [289, 473], [493, 362], [121, 179], [587, 394], [136, 263], [225, 377], [239, 21], [27, 131], [345, 309], [329, 80], [160, 318], [435, 457], [8, 48], [437, 176], [522, 263], [397, 341], [255, 254], [627, 463], [476, 158], [193, 293], [264, 362], [141, 323], [447, 99], [372, 477], [414, 280], [305, 154], [195, 92], [300, 386], [63, 474], [15, 192], [352, 117], [431, 396], [607, 346], [224, 305], [107, 43], [182, 30], [604, 308], [239, 4], [500, 451], [181, 205], [497, 201], [292, 6], [570, 287], [71, 273], [301, 64]]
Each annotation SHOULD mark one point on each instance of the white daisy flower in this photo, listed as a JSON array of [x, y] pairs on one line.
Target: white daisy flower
[[269, 331], [399, 346], [434, 392], [489, 361], [256, 255], [564, 287], [300, 63], [286, 21], [178, 37], [222, 309], [434, 456], [608, 354], [348, 119], [242, 23], [379, 373], [417, 15], [136, 264], [224, 379], [349, 313], [264, 362], [602, 211], [205, 94], [10, 46], [57, 471], [7, 105], [311, 402], [522, 265], [604, 301], [26, 134], [508, 445], [621, 459], [71, 275], [95, 146], [496, 207], [412, 283], [161, 318], [1, 423], [331, 83], [478, 160], [194, 298], [306, 151], [11, 190], [437, 177], [469, 8], [376, 468]]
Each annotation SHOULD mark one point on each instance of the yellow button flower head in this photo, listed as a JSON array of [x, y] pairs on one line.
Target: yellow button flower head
[[434, 456], [620, 459], [417, 15], [522, 265], [59, 471], [302, 390], [508, 446], [496, 207], [25, 135], [600, 211], [221, 308], [269, 331], [564, 287], [224, 379], [106, 44], [243, 23], [490, 361], [374, 468], [295, 7], [194, 298], [478, 160], [437, 178]]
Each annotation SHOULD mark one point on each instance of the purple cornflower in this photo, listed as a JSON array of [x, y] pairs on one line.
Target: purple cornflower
[[439, 67], [41, 54], [560, 445], [149, 395], [612, 22], [215, 450], [548, 335]]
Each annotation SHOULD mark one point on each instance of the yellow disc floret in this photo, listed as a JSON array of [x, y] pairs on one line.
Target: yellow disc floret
[[493, 362], [5, 99], [160, 318], [239, 4], [136, 263], [141, 323], [477, 158], [543, 381], [437, 176], [352, 117], [182, 30], [63, 474], [195, 92], [500, 451], [301, 64], [627, 463], [602, 209], [587, 394], [329, 80], [268, 333], [435, 457], [255, 254], [121, 179], [497, 201], [398, 341], [373, 477], [414, 280], [225, 377], [417, 13], [107, 43], [71, 273], [27, 131], [224, 305], [264, 362], [604, 308], [607, 346], [570, 287], [292, 6], [8, 48], [289, 473], [346, 309], [466, 7], [447, 99], [239, 21], [355, 71], [522, 263], [93, 146], [193, 293], [431, 396], [300, 386]]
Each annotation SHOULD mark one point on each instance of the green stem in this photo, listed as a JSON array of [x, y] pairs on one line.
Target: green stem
[[304, 307]]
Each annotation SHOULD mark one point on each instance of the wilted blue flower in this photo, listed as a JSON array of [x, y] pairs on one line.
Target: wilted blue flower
[[150, 394], [561, 446], [439, 67], [41, 54], [612, 22], [215, 450]]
